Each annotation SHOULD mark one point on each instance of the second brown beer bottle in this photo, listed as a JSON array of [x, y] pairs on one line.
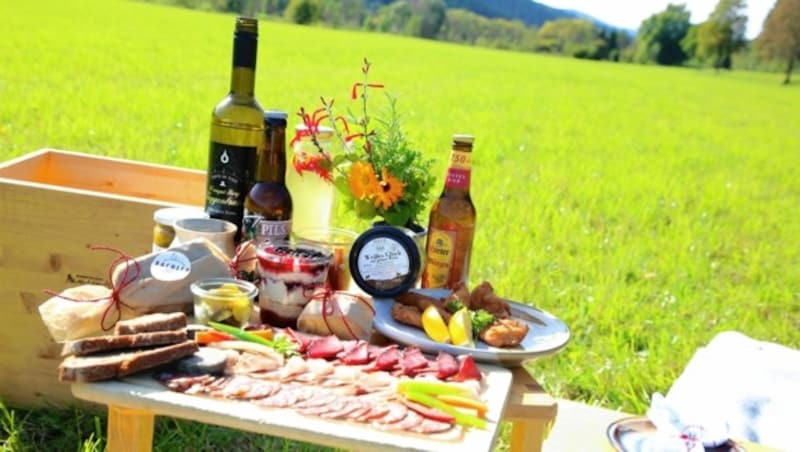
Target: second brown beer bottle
[[268, 206], [452, 222]]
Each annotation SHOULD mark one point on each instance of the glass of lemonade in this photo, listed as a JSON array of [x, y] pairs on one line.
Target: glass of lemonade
[[312, 196], [338, 241]]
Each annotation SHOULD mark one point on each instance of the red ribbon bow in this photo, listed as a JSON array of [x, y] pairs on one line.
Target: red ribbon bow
[[129, 275]]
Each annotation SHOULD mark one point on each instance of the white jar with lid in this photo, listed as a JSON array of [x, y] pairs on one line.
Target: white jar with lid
[[164, 219]]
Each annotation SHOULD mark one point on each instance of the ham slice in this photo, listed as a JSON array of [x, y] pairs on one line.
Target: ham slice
[[412, 360], [386, 359], [302, 340], [359, 354], [446, 366], [326, 347]]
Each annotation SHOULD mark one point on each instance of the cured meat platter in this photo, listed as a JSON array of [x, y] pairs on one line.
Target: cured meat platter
[[146, 393], [339, 393]]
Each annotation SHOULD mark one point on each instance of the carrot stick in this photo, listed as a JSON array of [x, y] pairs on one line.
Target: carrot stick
[[464, 402]]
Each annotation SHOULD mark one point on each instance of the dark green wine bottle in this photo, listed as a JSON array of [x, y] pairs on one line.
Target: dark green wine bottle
[[237, 132]]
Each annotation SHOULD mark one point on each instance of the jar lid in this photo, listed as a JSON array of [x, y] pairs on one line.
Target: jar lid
[[323, 132], [169, 215], [385, 261]]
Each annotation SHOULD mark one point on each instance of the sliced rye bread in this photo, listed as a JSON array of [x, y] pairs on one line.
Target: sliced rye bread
[[151, 322], [89, 345], [105, 366]]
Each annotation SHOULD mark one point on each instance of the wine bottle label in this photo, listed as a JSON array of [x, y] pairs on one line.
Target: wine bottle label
[[230, 176], [458, 173], [440, 255]]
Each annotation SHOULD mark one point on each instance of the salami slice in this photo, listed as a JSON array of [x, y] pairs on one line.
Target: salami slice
[[337, 405], [429, 426], [350, 406], [317, 399], [409, 422], [395, 413]]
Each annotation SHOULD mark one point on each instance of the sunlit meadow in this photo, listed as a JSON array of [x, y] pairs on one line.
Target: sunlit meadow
[[649, 208]]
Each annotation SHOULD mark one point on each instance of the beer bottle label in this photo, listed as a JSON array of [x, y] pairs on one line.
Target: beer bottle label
[[255, 227], [440, 255], [230, 176], [458, 173]]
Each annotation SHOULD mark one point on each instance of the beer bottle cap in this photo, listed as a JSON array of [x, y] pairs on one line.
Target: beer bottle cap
[[275, 117], [463, 138]]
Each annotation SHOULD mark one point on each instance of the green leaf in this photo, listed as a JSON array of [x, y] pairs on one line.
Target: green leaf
[[364, 209], [341, 184], [397, 217]]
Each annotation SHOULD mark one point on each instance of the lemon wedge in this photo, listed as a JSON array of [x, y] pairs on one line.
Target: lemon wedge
[[460, 328], [434, 325]]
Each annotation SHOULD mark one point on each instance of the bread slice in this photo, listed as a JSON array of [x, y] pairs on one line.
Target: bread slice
[[152, 358], [105, 366], [151, 322], [97, 344]]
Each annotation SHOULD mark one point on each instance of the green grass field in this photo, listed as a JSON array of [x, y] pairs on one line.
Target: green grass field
[[650, 208]]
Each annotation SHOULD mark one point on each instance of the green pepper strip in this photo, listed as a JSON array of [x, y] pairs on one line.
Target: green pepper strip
[[241, 334], [432, 387], [433, 402]]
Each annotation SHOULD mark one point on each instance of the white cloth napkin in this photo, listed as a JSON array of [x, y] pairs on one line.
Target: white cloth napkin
[[738, 388]]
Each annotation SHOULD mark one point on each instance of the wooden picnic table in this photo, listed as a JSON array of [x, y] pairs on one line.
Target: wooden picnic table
[[131, 416]]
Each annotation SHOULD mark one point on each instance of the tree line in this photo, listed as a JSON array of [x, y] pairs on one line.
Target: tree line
[[666, 38]]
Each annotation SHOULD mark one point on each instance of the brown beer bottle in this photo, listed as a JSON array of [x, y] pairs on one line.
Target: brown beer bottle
[[452, 223], [268, 206]]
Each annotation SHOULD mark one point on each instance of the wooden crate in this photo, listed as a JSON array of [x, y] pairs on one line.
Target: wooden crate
[[53, 205]]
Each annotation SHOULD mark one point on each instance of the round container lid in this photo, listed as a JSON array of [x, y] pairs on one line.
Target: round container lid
[[322, 131], [169, 215], [384, 261]]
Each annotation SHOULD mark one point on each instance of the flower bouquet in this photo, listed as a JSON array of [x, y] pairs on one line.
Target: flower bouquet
[[379, 173]]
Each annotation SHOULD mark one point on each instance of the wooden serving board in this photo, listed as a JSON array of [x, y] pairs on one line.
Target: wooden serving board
[[145, 393]]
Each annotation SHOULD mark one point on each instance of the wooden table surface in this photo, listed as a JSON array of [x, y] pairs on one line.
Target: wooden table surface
[[133, 404]]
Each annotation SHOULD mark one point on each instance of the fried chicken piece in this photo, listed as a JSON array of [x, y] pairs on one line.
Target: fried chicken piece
[[461, 293], [408, 315], [483, 297], [421, 303], [505, 333], [416, 299]]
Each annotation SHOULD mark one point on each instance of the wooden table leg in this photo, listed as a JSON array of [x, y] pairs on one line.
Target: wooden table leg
[[528, 435], [130, 430], [531, 411]]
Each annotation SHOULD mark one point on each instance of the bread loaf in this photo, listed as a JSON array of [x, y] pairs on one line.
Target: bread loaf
[[348, 316]]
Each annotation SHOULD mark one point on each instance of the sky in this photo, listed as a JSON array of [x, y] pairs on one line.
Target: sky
[[630, 13]]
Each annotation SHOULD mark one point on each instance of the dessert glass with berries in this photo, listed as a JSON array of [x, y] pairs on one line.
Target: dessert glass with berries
[[290, 274]]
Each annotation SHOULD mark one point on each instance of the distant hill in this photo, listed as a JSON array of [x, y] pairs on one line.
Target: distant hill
[[527, 11]]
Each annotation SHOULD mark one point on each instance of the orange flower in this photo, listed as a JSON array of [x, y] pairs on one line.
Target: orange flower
[[363, 182], [390, 190]]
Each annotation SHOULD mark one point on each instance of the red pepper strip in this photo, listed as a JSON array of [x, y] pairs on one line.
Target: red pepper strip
[[211, 336]]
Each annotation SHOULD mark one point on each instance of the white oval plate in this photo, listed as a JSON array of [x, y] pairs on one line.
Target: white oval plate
[[546, 335]]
